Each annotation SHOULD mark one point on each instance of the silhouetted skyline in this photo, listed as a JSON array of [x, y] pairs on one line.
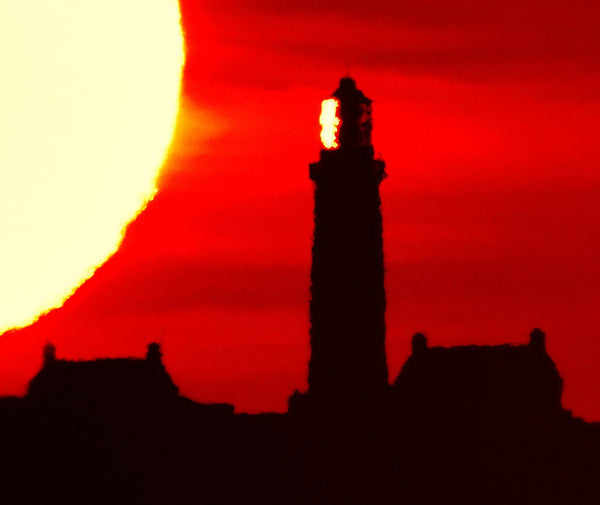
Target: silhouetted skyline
[[460, 425]]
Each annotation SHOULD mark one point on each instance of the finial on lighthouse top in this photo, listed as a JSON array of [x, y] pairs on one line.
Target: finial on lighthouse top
[[346, 118]]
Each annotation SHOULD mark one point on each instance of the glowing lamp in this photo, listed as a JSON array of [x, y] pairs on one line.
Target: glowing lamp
[[329, 123]]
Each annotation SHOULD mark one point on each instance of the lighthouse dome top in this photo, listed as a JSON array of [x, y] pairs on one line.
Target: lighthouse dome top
[[354, 114], [347, 91]]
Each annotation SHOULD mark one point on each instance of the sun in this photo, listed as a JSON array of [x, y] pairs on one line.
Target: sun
[[88, 98]]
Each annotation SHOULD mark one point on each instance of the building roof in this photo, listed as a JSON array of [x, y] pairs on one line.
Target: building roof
[[462, 381], [104, 380]]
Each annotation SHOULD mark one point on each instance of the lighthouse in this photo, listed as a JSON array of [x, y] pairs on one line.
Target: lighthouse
[[347, 307]]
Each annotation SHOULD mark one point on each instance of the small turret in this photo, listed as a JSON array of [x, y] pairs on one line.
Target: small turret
[[355, 115], [419, 343], [49, 354]]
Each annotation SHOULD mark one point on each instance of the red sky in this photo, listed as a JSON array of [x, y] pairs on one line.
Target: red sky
[[488, 117]]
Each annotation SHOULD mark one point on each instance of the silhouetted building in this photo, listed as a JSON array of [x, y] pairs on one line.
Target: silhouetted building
[[480, 385], [102, 382], [347, 307]]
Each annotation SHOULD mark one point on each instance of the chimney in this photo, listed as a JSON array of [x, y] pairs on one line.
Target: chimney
[[49, 354], [537, 339], [419, 343]]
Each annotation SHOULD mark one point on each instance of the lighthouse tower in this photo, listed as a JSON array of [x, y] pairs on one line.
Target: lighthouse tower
[[347, 307]]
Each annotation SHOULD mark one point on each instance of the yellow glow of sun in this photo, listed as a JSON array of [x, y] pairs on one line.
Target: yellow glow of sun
[[329, 123], [88, 99]]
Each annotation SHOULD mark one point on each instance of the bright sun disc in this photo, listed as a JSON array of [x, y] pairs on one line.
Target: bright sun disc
[[89, 97]]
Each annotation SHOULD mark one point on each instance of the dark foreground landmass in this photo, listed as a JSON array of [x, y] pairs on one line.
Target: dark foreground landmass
[[463, 425]]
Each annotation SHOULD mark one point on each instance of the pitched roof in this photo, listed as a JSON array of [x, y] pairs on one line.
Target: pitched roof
[[106, 379], [488, 378]]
